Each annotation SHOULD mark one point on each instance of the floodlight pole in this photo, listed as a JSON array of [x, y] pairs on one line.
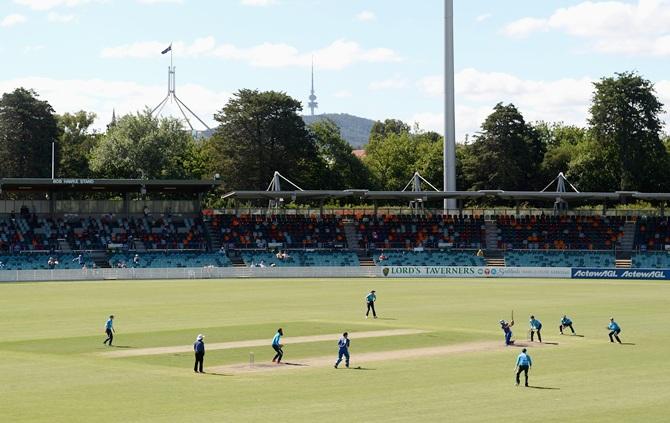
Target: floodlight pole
[[449, 159]]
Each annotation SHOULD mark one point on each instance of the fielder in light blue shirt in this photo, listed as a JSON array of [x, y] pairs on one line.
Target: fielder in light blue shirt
[[535, 327], [523, 364], [370, 301], [277, 346], [614, 329], [566, 323]]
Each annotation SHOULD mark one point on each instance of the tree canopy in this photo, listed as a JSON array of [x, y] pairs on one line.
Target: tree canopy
[[144, 147], [28, 127], [260, 133]]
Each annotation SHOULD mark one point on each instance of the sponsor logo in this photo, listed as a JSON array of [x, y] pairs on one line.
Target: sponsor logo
[[620, 274], [385, 271]]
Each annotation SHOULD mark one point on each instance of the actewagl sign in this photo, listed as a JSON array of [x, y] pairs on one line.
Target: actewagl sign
[[590, 273]]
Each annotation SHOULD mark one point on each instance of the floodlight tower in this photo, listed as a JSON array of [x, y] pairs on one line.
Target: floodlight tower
[[172, 96], [449, 115], [312, 97]]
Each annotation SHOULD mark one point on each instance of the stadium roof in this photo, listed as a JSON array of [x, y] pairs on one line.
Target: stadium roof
[[425, 196], [106, 185]]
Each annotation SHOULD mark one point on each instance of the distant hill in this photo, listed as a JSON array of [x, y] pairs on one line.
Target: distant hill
[[355, 130]]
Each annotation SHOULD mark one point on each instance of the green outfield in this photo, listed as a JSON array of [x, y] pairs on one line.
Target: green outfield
[[54, 368]]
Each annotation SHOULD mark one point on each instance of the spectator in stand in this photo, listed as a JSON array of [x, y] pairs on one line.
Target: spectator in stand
[[480, 253], [382, 257], [52, 262], [2, 265], [136, 260], [222, 250], [79, 259], [145, 211]]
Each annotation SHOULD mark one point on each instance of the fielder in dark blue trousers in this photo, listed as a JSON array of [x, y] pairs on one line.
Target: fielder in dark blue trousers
[[343, 345]]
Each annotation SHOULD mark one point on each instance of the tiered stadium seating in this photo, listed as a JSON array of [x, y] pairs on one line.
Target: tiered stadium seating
[[559, 232], [170, 259], [301, 258], [29, 233], [154, 233], [651, 260], [428, 258], [560, 259], [257, 231], [652, 233], [406, 231], [38, 261]]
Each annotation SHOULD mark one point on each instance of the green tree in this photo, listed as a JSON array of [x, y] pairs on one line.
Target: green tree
[[394, 158], [261, 132], [344, 170], [75, 144], [28, 126], [625, 125], [561, 142], [506, 155], [142, 146], [387, 127]]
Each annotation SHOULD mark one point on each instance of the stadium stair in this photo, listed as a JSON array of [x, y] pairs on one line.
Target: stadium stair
[[213, 235], [495, 262], [101, 259], [64, 246], [237, 261], [491, 237], [628, 239], [351, 235], [624, 263], [365, 260]]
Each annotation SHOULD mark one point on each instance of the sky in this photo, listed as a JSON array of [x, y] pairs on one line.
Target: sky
[[373, 58]]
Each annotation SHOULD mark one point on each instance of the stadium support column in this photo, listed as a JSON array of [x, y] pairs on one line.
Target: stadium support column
[[126, 203], [449, 104]]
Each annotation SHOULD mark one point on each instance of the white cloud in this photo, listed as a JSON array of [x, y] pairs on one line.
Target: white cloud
[[60, 18], [432, 86], [13, 19], [393, 83], [259, 2], [343, 94], [338, 55], [50, 4], [483, 17], [638, 28], [366, 16], [101, 97], [32, 49], [524, 27], [160, 1]]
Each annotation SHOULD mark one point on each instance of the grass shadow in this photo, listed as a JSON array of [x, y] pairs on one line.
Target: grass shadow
[[550, 343], [386, 318], [543, 387], [361, 368], [627, 343], [216, 374], [295, 364], [122, 346]]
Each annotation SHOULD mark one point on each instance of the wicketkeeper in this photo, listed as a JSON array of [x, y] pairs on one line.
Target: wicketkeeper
[[566, 323]]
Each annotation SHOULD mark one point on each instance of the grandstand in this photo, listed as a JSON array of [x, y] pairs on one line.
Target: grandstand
[[169, 233]]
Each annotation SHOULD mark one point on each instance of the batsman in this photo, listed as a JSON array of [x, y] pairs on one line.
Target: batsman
[[505, 326]]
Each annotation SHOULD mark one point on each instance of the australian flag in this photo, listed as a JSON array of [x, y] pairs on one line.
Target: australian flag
[[167, 49]]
